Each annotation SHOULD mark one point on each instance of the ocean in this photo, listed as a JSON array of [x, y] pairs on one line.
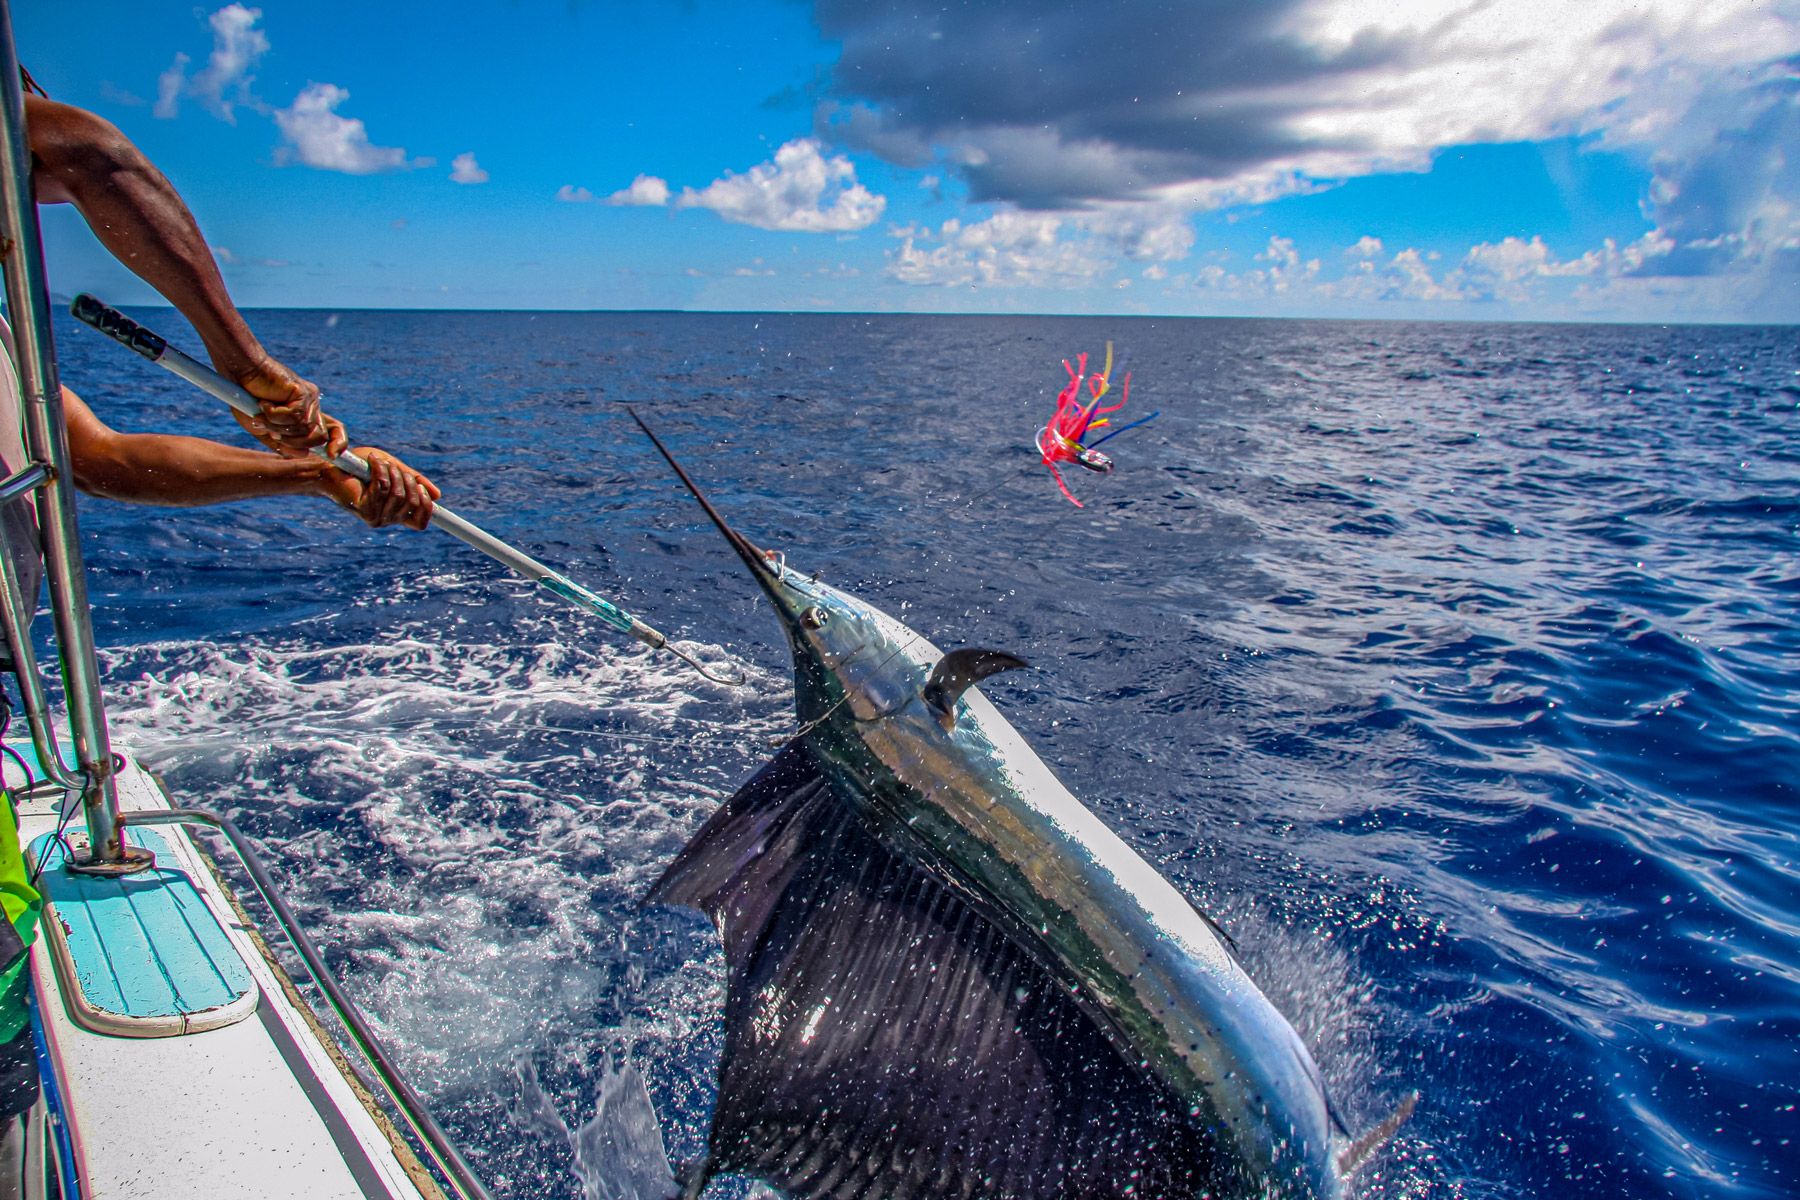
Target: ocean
[[1454, 668]]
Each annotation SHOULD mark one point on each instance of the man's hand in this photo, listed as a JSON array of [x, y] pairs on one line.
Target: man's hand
[[395, 494], [290, 422], [336, 440]]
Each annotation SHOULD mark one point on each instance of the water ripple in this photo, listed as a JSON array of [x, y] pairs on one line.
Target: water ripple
[[1451, 666]]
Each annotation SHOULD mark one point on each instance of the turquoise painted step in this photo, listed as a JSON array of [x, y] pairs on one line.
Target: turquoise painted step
[[141, 955]]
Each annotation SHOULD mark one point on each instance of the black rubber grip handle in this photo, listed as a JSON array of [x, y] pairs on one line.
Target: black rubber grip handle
[[117, 326]]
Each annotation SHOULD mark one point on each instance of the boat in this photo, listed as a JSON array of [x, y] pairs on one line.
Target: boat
[[190, 1038]]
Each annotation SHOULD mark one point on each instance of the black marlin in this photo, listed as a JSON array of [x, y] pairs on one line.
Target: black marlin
[[947, 978]]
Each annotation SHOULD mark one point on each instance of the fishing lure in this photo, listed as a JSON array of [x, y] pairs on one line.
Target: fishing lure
[[1064, 438]]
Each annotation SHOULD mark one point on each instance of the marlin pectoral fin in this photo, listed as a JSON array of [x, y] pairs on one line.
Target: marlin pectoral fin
[[735, 868], [960, 670]]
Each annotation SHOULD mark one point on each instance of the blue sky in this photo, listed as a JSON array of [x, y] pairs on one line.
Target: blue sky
[[1455, 159]]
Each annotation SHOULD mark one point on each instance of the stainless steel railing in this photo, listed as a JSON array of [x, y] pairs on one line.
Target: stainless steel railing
[[46, 443], [438, 1146], [49, 478]]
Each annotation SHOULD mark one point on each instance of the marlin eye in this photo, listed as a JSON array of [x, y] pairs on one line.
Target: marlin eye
[[815, 618]]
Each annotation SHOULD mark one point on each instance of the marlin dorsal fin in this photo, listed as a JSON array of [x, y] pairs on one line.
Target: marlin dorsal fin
[[957, 672]]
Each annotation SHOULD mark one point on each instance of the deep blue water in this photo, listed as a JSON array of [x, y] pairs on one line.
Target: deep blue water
[[1453, 667]]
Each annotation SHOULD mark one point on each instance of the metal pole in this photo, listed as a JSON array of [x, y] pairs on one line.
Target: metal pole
[[133, 336], [28, 300]]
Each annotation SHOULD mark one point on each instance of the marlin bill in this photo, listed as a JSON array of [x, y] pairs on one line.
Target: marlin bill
[[947, 978]]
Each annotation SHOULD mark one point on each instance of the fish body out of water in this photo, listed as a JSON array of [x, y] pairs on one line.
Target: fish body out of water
[[1449, 666], [893, 738]]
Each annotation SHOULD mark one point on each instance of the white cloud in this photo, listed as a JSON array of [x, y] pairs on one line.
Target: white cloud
[[646, 190], [1503, 270], [1521, 273], [464, 169], [169, 86], [1008, 249], [1284, 271], [226, 78], [1145, 234], [1407, 275], [568, 193], [318, 137], [1409, 278], [1014, 248], [801, 190], [1472, 71], [1513, 270]]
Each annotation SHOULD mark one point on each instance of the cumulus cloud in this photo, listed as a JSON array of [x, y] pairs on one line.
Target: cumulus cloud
[[1014, 248], [646, 190], [464, 169], [1726, 188], [1226, 102], [1284, 267], [568, 193], [317, 136], [1406, 274], [225, 80], [1145, 235], [313, 132], [169, 86], [1501, 270], [1008, 249], [1283, 270], [801, 190], [1513, 270]]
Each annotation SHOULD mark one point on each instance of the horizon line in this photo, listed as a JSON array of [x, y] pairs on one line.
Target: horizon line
[[61, 302]]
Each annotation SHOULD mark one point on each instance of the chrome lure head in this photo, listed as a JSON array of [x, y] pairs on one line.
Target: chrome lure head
[[1093, 460]]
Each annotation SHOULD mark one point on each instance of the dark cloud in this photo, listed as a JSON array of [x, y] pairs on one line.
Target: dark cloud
[[1089, 105], [1056, 105]]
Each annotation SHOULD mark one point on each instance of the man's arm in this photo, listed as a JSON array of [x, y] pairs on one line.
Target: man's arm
[[84, 160], [169, 469]]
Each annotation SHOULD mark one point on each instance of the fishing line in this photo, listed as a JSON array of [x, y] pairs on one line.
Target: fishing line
[[6, 713], [1004, 481]]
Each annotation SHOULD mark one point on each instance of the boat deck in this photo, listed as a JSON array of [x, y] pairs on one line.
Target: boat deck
[[258, 1107]]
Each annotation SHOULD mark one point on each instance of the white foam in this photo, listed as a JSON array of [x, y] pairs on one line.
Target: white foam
[[467, 829]]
